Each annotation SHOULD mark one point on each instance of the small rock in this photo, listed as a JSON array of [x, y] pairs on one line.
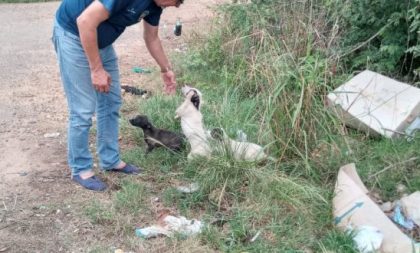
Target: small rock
[[387, 207], [118, 251]]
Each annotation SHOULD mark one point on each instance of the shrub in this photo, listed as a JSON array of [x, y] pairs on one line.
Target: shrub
[[380, 34]]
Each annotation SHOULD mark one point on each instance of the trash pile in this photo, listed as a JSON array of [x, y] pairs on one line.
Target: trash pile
[[377, 105], [391, 228]]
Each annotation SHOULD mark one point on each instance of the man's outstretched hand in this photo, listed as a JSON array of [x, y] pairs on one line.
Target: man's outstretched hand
[[170, 82]]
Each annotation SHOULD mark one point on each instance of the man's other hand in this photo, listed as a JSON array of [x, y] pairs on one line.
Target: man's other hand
[[101, 80]]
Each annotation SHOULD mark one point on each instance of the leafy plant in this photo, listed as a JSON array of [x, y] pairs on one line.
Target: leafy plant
[[381, 35]]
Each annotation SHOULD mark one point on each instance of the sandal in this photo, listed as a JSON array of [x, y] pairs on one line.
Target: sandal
[[92, 183], [128, 169]]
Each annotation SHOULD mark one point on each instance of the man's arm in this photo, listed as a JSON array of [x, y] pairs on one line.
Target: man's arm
[[154, 45], [87, 24]]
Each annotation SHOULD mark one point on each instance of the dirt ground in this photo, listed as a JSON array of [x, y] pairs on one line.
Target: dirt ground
[[38, 202]]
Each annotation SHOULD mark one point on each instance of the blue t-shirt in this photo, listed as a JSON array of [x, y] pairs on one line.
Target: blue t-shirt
[[122, 13]]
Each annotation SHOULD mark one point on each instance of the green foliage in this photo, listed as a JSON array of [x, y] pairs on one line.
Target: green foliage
[[381, 35], [98, 213], [130, 198], [336, 241]]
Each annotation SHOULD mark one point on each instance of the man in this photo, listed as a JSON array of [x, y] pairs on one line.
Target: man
[[83, 35]]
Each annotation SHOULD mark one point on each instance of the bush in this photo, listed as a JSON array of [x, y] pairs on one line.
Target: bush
[[380, 34]]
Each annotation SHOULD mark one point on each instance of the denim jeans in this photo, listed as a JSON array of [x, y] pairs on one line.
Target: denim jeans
[[83, 101]]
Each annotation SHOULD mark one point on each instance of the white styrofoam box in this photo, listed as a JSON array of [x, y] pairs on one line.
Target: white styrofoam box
[[376, 104]]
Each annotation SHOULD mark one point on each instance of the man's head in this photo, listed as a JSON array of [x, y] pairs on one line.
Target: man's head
[[169, 3]]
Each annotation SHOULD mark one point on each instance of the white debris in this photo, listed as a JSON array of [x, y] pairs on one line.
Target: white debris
[[376, 104], [193, 187], [51, 135], [171, 225], [368, 239]]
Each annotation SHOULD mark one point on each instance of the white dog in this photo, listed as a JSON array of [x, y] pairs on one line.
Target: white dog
[[241, 151], [192, 123]]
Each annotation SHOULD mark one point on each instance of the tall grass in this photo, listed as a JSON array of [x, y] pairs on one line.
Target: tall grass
[[277, 52]]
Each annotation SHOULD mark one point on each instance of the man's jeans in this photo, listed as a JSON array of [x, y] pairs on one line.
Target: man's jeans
[[83, 100]]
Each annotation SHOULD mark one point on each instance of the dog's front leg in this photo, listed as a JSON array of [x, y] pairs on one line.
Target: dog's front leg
[[149, 148]]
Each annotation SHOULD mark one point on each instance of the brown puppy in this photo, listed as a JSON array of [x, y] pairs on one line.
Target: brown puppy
[[155, 137]]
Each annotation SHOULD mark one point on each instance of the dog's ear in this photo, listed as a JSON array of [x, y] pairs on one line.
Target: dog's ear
[[195, 99], [217, 133], [148, 125]]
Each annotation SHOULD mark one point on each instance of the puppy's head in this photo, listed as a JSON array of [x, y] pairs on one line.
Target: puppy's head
[[218, 134], [194, 95], [141, 121]]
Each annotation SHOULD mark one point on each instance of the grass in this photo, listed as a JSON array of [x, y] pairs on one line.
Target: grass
[[266, 77]]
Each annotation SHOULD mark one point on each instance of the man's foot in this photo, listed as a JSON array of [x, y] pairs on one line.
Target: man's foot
[[91, 183], [127, 169]]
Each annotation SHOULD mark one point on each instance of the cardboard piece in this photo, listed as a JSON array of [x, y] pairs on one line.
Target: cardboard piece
[[353, 208], [376, 104]]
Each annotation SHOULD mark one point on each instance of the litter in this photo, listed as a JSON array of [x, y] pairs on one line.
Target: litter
[[141, 70], [412, 129], [135, 91], [170, 226], [193, 187], [399, 218], [368, 239], [376, 104], [411, 206], [51, 135], [352, 207]]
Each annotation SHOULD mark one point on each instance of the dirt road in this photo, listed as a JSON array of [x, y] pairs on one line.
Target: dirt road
[[36, 194]]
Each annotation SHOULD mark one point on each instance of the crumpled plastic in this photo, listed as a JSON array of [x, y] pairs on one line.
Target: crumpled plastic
[[368, 239], [170, 226], [399, 218]]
